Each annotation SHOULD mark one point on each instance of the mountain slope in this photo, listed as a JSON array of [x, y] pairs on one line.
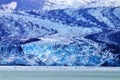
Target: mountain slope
[[58, 37]]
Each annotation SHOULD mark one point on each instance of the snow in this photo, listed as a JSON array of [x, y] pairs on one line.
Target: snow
[[57, 38], [9, 7], [62, 4]]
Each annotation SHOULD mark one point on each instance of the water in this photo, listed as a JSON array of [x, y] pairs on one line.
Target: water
[[59, 75]]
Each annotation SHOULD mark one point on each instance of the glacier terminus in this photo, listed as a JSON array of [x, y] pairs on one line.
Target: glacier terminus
[[60, 32]]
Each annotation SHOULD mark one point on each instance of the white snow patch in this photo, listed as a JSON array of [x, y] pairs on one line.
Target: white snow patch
[[9, 7], [62, 4]]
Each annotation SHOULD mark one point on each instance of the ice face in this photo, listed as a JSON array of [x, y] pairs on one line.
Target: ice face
[[62, 37]]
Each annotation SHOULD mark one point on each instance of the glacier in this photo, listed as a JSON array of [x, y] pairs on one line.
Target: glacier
[[74, 36]]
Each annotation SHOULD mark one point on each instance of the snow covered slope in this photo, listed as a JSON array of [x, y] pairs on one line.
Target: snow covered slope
[[62, 4], [22, 4], [58, 4], [58, 37], [60, 32]]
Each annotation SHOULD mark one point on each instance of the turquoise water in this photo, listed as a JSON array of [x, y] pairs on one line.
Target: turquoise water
[[59, 75]]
